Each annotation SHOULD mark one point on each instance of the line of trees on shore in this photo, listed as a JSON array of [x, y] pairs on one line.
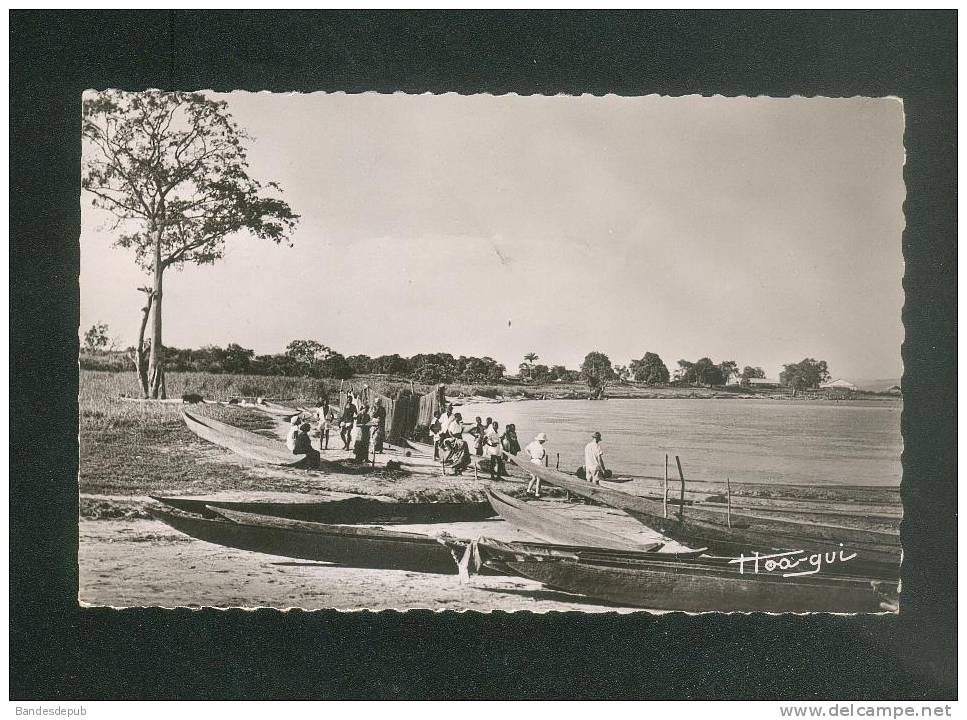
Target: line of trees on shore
[[310, 358]]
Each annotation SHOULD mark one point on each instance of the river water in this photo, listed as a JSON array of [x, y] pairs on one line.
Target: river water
[[772, 441]]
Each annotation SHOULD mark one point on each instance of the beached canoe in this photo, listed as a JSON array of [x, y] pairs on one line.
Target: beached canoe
[[242, 442], [700, 588], [703, 526], [342, 544], [355, 510], [553, 527], [494, 554], [362, 546]]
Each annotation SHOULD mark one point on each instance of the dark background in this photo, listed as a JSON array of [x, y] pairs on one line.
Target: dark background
[[60, 651]]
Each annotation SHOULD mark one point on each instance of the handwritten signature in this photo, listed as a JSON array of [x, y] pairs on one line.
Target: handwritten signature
[[788, 561]]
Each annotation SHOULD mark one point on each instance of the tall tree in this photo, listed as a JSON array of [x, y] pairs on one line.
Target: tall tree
[[729, 370], [597, 367], [96, 338], [684, 372], [172, 169], [650, 369], [749, 372], [803, 375], [308, 353]]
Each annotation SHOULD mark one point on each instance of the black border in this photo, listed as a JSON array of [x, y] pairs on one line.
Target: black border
[[58, 651]]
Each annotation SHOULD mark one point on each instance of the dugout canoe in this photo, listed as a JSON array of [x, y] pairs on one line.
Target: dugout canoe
[[496, 553], [243, 442], [555, 528], [703, 526], [274, 408], [698, 588], [361, 546], [349, 511], [341, 544]]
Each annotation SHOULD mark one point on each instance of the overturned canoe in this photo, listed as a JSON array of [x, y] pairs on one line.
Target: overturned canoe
[[355, 510], [703, 526], [342, 544], [242, 442], [701, 588], [550, 526]]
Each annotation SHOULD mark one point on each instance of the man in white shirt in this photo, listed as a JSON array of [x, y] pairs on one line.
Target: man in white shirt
[[594, 460], [493, 450], [456, 425], [446, 417], [538, 453], [293, 431]]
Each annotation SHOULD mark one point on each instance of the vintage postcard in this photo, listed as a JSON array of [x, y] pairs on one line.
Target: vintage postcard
[[491, 352]]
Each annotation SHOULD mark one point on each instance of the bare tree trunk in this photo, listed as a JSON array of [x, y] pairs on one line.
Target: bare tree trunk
[[156, 368], [140, 354]]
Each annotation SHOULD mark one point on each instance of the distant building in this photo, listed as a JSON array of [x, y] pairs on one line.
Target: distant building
[[763, 382], [838, 385]]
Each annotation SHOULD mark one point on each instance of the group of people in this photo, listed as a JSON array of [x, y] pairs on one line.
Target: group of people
[[594, 470], [361, 424], [450, 445]]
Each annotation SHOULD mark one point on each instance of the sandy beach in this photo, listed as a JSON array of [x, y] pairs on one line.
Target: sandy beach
[[129, 559]]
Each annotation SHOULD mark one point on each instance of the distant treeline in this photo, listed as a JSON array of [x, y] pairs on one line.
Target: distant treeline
[[311, 359], [305, 359]]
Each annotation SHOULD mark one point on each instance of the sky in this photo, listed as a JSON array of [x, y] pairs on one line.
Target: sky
[[758, 230]]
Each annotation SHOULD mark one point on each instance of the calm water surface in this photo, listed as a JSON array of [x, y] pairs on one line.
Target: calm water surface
[[772, 441]]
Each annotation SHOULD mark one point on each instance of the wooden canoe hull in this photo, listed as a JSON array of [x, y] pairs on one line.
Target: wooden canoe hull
[[350, 546], [549, 526], [871, 559], [748, 532], [242, 442], [669, 587], [349, 511]]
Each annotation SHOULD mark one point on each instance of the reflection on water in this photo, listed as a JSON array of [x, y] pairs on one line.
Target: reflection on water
[[846, 443]]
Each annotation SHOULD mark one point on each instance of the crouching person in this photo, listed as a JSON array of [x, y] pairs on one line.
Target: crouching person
[[302, 445]]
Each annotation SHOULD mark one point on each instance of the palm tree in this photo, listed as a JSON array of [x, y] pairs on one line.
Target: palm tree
[[531, 357]]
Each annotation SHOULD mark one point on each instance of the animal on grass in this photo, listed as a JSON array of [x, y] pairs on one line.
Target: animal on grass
[[191, 398]]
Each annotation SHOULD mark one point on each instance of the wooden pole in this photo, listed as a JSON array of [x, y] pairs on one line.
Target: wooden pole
[[728, 490], [681, 501], [664, 503], [558, 465]]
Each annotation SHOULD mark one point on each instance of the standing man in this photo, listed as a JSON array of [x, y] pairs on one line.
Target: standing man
[[537, 452], [346, 422], [326, 415], [379, 419], [492, 449], [594, 470]]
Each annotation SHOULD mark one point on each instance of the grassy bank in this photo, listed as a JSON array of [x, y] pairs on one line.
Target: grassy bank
[[129, 449]]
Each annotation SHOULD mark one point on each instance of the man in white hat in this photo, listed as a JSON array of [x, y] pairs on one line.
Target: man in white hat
[[538, 453], [594, 470]]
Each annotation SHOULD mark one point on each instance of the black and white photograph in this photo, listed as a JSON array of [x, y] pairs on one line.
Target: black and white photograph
[[490, 352]]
